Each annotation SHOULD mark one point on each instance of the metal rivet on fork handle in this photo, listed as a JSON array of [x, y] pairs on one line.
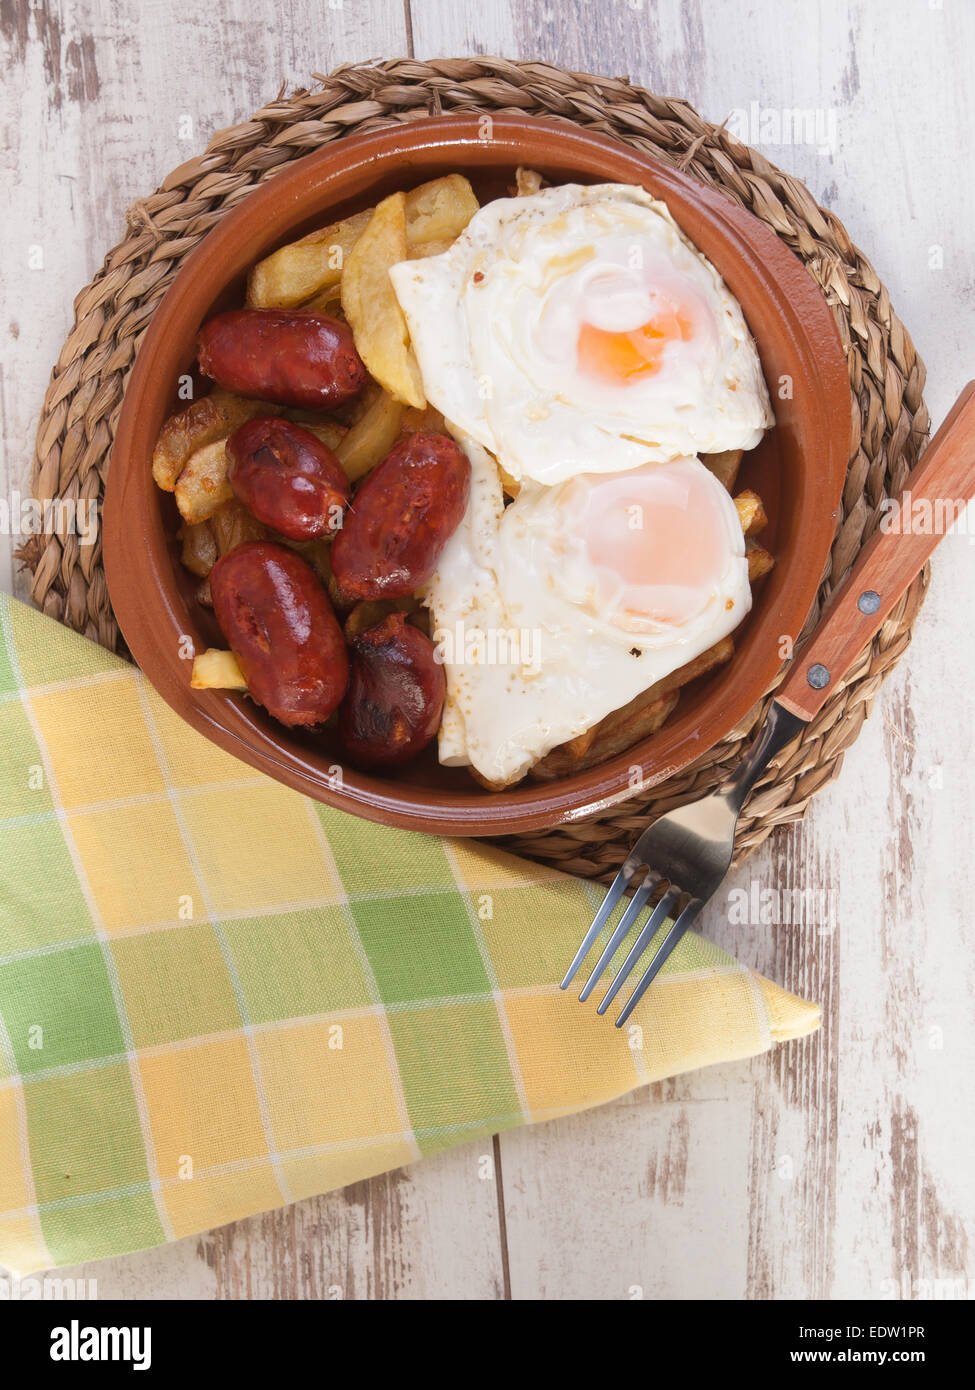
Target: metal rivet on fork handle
[[817, 676]]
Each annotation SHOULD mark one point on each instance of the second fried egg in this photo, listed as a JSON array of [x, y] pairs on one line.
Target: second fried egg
[[563, 606]]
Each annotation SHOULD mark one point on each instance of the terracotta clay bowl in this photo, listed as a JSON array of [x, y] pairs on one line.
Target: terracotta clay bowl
[[798, 470]]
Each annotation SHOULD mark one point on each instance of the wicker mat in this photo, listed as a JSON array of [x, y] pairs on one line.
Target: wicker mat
[[886, 375]]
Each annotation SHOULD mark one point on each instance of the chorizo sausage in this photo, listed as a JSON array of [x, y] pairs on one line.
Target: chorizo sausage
[[291, 356], [286, 478], [279, 623], [396, 692], [401, 518]]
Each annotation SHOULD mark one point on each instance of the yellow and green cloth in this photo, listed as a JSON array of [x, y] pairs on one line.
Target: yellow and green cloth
[[217, 996]]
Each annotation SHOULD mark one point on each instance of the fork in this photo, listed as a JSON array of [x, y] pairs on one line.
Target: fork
[[688, 851]]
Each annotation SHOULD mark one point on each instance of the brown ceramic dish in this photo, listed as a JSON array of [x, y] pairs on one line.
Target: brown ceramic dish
[[798, 470]]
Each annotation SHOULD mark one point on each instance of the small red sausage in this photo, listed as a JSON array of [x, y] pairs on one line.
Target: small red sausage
[[290, 356], [279, 623], [287, 478], [396, 693], [401, 518]]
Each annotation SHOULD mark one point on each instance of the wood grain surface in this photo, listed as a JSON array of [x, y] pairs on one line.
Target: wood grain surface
[[839, 1166]]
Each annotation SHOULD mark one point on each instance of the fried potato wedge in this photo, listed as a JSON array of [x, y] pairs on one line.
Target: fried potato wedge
[[724, 466], [309, 272], [199, 553], [327, 301], [759, 560], [372, 308], [439, 210], [317, 553], [370, 612], [305, 268], [202, 422], [428, 420], [639, 724], [510, 486], [579, 746], [202, 486], [527, 182], [490, 786], [751, 512], [371, 437], [217, 670], [430, 248], [232, 524], [328, 432]]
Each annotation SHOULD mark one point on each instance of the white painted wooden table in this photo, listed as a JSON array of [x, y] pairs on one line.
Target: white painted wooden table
[[840, 1166]]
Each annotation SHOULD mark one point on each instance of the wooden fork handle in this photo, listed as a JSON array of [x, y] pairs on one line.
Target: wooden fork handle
[[936, 492]]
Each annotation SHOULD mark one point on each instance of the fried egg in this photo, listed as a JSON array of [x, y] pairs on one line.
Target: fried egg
[[578, 331], [553, 611]]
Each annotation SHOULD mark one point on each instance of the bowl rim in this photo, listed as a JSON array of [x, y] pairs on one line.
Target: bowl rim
[[148, 612]]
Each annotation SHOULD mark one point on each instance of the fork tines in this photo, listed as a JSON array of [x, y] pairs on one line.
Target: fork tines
[[662, 910]]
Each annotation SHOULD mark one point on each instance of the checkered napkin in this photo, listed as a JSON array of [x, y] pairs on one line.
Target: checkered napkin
[[217, 996]]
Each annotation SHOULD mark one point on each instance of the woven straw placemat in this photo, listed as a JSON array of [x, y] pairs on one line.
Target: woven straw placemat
[[886, 376]]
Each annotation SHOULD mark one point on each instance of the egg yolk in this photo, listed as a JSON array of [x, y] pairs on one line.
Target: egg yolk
[[659, 541], [629, 356]]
